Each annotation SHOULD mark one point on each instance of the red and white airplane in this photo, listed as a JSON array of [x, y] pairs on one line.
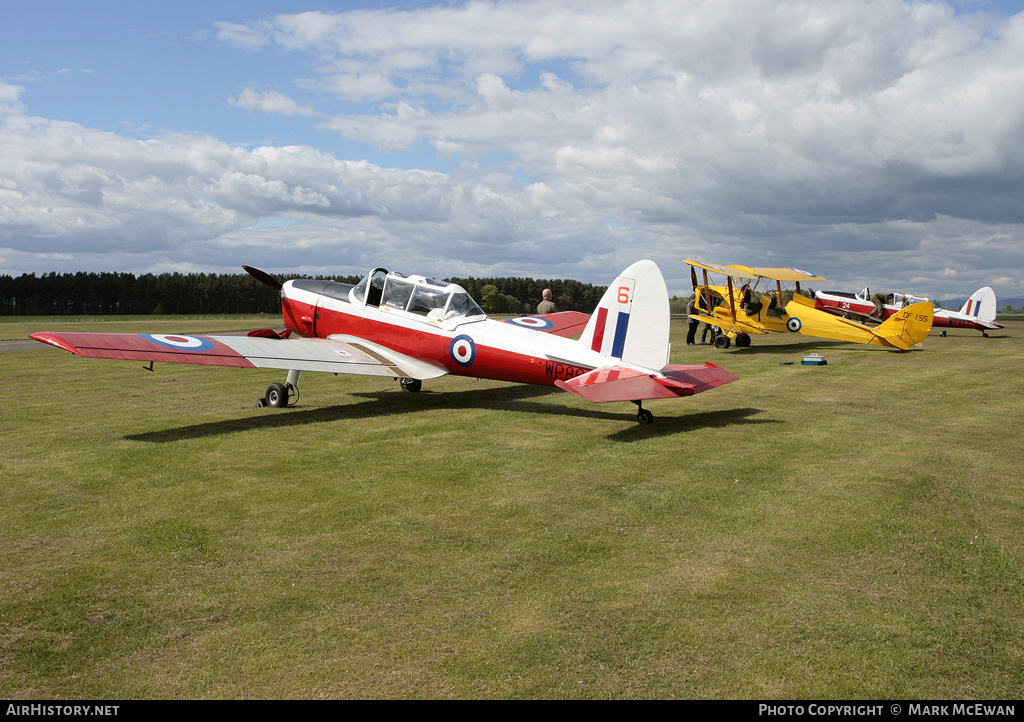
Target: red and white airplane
[[979, 313], [414, 328]]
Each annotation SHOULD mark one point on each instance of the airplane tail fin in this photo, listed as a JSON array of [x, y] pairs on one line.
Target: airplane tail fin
[[981, 305], [631, 323], [907, 327]]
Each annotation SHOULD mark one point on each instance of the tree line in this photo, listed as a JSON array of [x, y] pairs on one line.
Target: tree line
[[113, 293]]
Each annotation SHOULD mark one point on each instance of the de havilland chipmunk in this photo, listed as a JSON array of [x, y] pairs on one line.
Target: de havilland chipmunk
[[978, 313], [414, 328], [738, 309]]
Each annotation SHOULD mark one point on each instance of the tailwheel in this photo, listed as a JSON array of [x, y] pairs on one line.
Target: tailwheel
[[277, 396], [411, 385], [643, 416]]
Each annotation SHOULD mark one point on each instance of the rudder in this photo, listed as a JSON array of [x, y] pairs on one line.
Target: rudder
[[908, 326], [981, 304], [631, 323]]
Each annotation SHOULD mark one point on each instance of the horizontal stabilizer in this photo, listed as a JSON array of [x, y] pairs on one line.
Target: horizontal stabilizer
[[618, 383]]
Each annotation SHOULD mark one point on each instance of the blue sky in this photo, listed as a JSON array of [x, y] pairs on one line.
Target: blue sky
[[875, 142]]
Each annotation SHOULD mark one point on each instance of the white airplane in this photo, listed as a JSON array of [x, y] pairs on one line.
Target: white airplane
[[415, 328], [979, 313]]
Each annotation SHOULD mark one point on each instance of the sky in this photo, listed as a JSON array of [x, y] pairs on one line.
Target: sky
[[873, 142]]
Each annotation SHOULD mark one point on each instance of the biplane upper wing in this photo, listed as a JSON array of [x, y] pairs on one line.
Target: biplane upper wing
[[734, 271], [774, 274], [620, 383], [560, 323], [336, 354], [782, 274]]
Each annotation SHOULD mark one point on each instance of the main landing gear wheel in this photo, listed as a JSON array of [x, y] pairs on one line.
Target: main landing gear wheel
[[722, 341], [412, 385], [277, 396], [743, 340], [643, 416]]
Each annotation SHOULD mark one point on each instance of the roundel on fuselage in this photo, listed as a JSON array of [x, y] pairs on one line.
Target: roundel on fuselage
[[462, 350]]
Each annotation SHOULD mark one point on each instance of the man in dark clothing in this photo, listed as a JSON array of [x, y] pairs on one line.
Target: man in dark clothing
[[691, 333]]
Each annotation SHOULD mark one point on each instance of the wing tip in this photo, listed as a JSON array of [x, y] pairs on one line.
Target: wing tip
[[55, 340]]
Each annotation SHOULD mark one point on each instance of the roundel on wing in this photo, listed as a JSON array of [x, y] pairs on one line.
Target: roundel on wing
[[462, 350], [178, 342], [535, 322], [794, 324]]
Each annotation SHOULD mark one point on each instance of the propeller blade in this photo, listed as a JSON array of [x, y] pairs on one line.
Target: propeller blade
[[263, 277]]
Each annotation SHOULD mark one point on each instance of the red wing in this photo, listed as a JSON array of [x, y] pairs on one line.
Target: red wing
[[562, 323], [302, 354]]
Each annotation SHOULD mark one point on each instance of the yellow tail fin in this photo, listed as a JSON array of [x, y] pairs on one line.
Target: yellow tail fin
[[908, 326]]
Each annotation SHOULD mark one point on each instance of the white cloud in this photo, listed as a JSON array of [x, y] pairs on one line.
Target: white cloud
[[270, 102], [861, 139]]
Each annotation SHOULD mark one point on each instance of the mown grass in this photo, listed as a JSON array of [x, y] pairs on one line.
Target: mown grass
[[846, 531]]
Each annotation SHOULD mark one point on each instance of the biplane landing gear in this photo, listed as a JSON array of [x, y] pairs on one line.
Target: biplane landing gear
[[743, 340], [412, 385], [643, 416], [722, 341]]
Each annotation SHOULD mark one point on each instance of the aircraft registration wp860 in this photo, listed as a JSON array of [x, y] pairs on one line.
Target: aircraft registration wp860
[[414, 329]]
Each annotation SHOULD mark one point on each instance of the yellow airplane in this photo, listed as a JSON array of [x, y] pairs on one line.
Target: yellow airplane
[[738, 309]]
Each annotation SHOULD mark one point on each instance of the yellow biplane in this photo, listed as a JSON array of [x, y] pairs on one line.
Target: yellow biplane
[[739, 309]]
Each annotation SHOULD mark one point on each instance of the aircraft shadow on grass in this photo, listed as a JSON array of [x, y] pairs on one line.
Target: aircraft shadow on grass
[[523, 399]]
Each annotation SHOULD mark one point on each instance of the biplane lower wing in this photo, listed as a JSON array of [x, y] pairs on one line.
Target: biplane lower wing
[[617, 383], [729, 326], [332, 355]]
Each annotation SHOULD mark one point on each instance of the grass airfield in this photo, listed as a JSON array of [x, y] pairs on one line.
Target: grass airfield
[[847, 531]]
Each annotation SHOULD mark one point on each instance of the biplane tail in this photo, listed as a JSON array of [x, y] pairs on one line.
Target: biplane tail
[[907, 327], [631, 323], [981, 305]]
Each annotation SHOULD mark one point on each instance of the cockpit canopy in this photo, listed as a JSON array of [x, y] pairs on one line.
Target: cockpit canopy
[[434, 300]]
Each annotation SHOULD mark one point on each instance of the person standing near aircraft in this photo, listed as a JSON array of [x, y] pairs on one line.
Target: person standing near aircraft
[[705, 328], [691, 310], [546, 305]]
